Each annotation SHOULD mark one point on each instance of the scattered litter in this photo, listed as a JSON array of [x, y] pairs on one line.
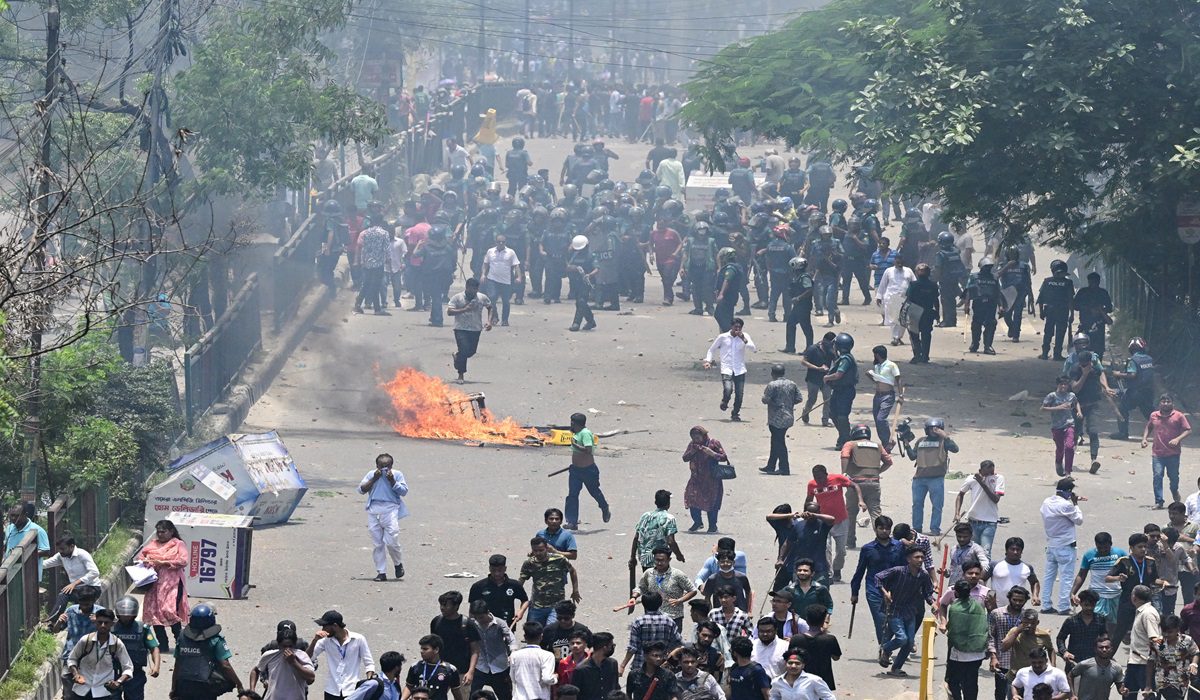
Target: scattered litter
[[461, 574], [1027, 424], [595, 411], [621, 403], [514, 495], [627, 312], [956, 475], [1018, 412], [1019, 396]]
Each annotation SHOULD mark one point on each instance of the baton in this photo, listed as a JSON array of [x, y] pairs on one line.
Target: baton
[[853, 609], [633, 585], [557, 472], [942, 574]]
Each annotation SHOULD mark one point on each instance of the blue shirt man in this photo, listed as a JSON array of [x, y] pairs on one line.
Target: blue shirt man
[[19, 525], [710, 564], [385, 489]]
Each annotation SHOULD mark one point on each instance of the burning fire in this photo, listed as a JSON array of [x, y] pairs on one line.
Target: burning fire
[[425, 407]]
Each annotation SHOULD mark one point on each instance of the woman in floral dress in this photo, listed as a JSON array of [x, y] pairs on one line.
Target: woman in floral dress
[[704, 488], [166, 603]]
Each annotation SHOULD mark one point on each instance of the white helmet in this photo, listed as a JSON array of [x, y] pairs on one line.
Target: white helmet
[[579, 242]]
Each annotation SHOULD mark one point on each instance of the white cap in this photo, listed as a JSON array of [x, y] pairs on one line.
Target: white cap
[[579, 242]]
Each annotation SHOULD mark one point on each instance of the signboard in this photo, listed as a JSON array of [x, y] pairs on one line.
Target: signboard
[[218, 554], [196, 489], [1187, 221]]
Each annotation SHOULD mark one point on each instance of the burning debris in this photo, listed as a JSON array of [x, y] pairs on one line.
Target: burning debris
[[426, 407]]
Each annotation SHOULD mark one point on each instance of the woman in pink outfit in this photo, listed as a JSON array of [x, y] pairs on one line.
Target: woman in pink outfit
[[166, 602]]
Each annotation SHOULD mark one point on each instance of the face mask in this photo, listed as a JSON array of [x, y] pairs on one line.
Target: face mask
[[725, 568]]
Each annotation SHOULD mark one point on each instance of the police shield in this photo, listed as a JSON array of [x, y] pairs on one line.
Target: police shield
[[1010, 296], [910, 316]]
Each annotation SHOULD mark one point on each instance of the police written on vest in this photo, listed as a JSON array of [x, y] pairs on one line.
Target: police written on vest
[[933, 453], [866, 460]]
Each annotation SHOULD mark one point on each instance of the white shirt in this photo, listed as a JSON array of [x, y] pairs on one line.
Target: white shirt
[[396, 253], [887, 372], [770, 656], [79, 566], [980, 507], [1059, 518], [1026, 680], [348, 662], [807, 687], [731, 351], [1005, 576], [1193, 507], [500, 264], [97, 666], [533, 671], [895, 281]]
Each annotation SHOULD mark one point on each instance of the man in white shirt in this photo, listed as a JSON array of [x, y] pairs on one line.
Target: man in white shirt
[[730, 348], [501, 270], [890, 295], [983, 514], [79, 567], [796, 684], [769, 648], [93, 662], [889, 390], [1142, 638], [1037, 672], [365, 187], [1060, 517], [385, 489], [670, 174], [349, 655], [397, 252], [1193, 505], [531, 667]]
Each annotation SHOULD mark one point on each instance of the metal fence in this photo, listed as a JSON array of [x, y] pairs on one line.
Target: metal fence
[[1169, 325], [19, 603], [216, 359], [88, 516]]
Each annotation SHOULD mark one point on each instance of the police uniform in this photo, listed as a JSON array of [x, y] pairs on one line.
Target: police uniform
[[1016, 275], [800, 312], [792, 182], [924, 293], [950, 272], [1055, 299], [841, 399], [139, 640], [197, 654], [581, 264], [857, 248], [701, 263], [779, 253], [932, 463], [1139, 390], [609, 276], [864, 469], [760, 238], [983, 294], [555, 243], [731, 278], [1093, 304]]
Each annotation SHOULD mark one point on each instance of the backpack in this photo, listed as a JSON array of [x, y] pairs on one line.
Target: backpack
[[698, 691], [380, 683], [821, 175], [89, 643]]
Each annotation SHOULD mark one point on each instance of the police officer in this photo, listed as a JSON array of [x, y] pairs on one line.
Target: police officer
[[1017, 276], [609, 276], [199, 652], [799, 313], [700, 266], [863, 462], [1139, 387], [1094, 305], [730, 278], [777, 255], [581, 267], [481, 235], [827, 253], [539, 219], [140, 643], [924, 292], [632, 259], [982, 297], [843, 380], [793, 181], [762, 231], [1055, 306], [554, 249], [857, 246], [950, 273], [437, 271], [932, 457], [870, 223]]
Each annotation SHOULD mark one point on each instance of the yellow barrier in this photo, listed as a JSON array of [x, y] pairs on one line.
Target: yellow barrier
[[928, 632]]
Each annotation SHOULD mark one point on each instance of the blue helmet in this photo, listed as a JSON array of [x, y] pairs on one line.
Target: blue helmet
[[203, 616]]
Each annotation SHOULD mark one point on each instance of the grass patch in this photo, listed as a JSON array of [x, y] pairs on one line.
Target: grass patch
[[108, 556], [325, 494], [23, 674]]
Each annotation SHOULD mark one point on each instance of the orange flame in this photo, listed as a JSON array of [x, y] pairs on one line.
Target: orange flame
[[425, 407]]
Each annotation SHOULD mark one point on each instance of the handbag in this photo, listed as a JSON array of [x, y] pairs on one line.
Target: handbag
[[724, 470]]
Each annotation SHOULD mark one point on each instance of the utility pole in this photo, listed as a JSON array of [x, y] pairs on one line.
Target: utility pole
[[571, 40], [482, 46], [626, 74], [525, 58], [46, 104]]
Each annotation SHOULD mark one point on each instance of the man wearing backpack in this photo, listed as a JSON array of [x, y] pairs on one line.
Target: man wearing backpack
[[384, 687], [202, 656], [99, 664], [141, 644]]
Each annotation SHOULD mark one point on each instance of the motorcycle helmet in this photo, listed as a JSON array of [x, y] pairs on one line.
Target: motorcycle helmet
[[724, 255], [662, 192], [870, 205], [457, 171], [518, 142], [1081, 341], [862, 431], [558, 214], [945, 240], [843, 342], [570, 192], [126, 606]]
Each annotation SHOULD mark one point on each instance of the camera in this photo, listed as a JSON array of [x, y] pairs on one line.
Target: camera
[[904, 438]]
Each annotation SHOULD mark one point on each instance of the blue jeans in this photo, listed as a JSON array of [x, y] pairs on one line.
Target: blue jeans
[[502, 293], [1169, 465], [1060, 564], [983, 534], [935, 487], [903, 632], [829, 292], [881, 408], [875, 605], [546, 616], [577, 479]]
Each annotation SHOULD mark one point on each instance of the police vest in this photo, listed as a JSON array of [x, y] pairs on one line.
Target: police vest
[[733, 273], [555, 243], [792, 181], [700, 253], [193, 661], [987, 291], [134, 637], [932, 457], [866, 460], [1056, 292], [1142, 366], [779, 254], [849, 378], [1014, 276], [838, 220], [950, 265], [436, 260]]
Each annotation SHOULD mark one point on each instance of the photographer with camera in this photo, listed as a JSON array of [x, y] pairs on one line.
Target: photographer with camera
[[863, 461], [932, 456]]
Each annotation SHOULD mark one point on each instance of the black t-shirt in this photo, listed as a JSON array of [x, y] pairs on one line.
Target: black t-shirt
[[657, 155], [501, 597], [557, 638], [457, 636], [638, 683], [746, 682], [821, 649], [440, 678], [816, 355]]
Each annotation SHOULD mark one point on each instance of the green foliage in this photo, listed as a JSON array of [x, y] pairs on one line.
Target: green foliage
[[108, 555], [23, 675], [257, 94], [94, 450], [143, 400]]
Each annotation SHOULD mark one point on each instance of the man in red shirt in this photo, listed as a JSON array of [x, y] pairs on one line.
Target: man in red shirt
[[827, 490], [1169, 428], [667, 246], [414, 236], [645, 114]]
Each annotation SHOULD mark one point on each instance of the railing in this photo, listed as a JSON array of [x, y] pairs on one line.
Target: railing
[[1170, 326], [216, 359], [19, 609], [88, 516]]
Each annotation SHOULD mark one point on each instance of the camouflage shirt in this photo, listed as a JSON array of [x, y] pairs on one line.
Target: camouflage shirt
[[549, 579]]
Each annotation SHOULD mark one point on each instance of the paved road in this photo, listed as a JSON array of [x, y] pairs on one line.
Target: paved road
[[638, 371]]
